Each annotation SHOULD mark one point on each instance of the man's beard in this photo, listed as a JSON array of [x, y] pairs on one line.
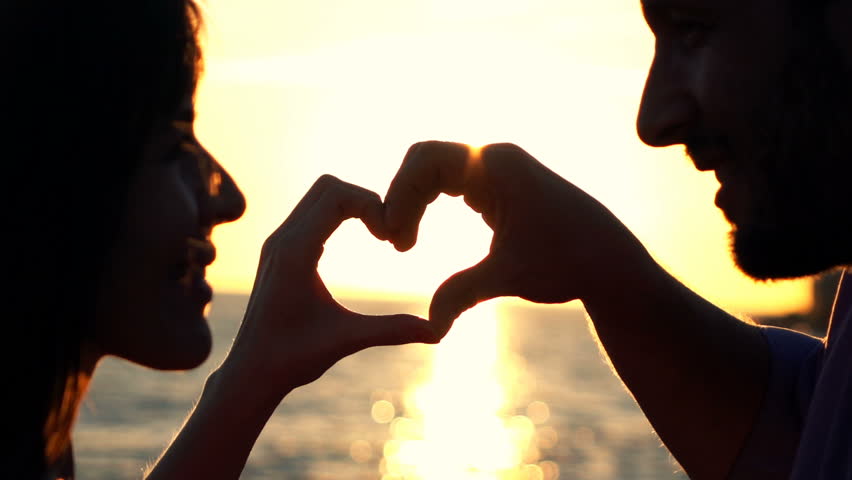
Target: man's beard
[[802, 226]]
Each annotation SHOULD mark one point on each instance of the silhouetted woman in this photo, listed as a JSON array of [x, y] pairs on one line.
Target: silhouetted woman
[[110, 201]]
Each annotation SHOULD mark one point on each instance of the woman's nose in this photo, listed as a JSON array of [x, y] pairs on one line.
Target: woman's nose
[[223, 202], [230, 203]]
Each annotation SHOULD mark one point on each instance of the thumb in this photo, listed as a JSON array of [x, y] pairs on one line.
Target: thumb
[[463, 291], [400, 329]]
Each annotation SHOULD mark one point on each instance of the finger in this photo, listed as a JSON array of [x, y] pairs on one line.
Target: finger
[[429, 169], [339, 202], [374, 216], [465, 290], [311, 197], [385, 330]]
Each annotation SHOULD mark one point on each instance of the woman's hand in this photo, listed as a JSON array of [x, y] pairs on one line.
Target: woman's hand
[[293, 330]]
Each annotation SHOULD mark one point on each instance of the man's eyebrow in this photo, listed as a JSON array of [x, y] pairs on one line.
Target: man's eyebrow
[[650, 4], [183, 126], [665, 3], [687, 5], [186, 115]]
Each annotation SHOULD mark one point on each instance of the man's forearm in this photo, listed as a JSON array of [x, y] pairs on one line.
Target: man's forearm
[[219, 434], [698, 373]]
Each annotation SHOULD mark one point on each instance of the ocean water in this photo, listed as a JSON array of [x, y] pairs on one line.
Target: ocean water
[[513, 392]]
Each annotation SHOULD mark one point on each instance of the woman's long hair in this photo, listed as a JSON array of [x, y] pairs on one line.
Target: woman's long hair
[[81, 87]]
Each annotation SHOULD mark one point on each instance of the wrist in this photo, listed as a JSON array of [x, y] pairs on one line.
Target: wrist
[[244, 387]]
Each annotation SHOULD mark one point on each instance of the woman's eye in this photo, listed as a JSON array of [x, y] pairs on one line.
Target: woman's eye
[[190, 157], [196, 165], [181, 141], [189, 147], [179, 150]]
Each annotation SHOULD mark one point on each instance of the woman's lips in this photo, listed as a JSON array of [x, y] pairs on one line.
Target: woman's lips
[[200, 251], [190, 272], [198, 254], [195, 286], [201, 290]]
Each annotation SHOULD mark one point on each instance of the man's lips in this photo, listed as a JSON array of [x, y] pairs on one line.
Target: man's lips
[[708, 159], [731, 195], [720, 197]]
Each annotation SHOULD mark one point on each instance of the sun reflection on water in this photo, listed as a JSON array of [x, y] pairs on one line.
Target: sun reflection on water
[[458, 425]]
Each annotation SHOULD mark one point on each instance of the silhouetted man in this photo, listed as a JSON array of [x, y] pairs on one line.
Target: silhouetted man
[[759, 92]]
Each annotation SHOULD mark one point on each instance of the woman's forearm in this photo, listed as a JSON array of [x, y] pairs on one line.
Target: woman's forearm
[[218, 436]]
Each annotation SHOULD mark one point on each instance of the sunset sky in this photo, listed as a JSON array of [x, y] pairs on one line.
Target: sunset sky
[[293, 90]]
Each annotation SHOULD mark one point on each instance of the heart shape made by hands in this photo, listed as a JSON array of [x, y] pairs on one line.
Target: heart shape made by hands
[[356, 267]]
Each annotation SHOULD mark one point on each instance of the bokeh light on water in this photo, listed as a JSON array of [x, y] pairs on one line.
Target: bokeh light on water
[[458, 424]]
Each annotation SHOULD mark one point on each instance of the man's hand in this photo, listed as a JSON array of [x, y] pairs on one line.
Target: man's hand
[[293, 330], [698, 373], [552, 242]]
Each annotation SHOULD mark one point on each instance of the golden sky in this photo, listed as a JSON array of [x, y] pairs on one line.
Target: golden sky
[[297, 89]]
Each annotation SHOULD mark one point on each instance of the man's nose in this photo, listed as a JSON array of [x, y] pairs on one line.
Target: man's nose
[[667, 107]]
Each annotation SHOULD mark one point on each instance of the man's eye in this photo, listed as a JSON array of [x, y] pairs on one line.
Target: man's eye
[[690, 30]]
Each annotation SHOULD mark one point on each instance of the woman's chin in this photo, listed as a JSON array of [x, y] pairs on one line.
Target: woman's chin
[[182, 352]]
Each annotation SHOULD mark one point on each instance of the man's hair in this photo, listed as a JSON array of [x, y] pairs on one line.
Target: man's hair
[[82, 87]]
